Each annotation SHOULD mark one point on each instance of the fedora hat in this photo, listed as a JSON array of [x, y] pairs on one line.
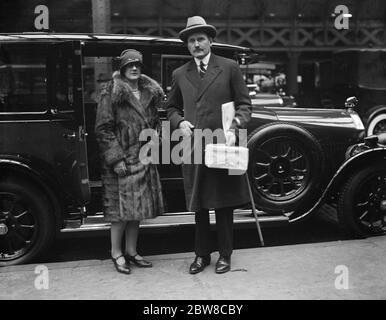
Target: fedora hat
[[197, 24]]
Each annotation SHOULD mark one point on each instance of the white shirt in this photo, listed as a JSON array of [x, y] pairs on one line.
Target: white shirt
[[205, 61]]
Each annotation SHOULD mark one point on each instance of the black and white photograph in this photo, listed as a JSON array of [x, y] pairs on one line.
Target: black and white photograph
[[192, 157]]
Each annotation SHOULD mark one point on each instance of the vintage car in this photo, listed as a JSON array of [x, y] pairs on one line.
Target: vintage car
[[49, 160]]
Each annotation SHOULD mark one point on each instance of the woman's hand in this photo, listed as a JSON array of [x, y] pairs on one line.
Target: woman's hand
[[120, 169]]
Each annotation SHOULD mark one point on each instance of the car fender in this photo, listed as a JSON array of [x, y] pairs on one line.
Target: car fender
[[345, 170], [39, 173], [357, 161]]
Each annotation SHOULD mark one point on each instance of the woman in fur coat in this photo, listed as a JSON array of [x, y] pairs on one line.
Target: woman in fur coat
[[131, 188]]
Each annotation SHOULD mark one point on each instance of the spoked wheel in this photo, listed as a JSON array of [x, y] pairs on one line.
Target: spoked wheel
[[362, 202], [26, 225], [285, 166], [282, 169]]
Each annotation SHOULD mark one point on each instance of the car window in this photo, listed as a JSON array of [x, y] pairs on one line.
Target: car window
[[97, 69], [96, 72], [156, 68], [168, 64], [62, 82], [23, 77]]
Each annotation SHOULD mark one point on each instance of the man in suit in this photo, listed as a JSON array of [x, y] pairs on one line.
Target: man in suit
[[198, 90]]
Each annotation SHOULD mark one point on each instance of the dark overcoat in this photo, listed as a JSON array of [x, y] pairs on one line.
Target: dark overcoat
[[199, 101], [119, 121]]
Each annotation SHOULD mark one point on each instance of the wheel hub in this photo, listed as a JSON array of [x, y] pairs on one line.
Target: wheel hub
[[382, 206], [3, 229], [280, 168]]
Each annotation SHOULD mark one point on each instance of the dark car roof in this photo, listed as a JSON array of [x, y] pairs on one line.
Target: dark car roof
[[31, 36]]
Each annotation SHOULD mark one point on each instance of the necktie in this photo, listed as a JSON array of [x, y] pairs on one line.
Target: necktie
[[202, 69]]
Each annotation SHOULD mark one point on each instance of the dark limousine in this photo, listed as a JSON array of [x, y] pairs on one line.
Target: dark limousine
[[49, 162]]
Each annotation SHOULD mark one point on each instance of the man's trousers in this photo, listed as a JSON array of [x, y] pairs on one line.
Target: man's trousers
[[224, 227]]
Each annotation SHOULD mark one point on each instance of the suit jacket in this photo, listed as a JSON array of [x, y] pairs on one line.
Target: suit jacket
[[199, 101]]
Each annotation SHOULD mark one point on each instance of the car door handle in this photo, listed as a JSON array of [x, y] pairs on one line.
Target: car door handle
[[69, 136]]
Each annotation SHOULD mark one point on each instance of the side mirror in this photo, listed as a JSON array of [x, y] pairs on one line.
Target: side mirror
[[351, 103]]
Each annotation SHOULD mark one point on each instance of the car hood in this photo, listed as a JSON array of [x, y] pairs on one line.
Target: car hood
[[309, 116], [326, 117]]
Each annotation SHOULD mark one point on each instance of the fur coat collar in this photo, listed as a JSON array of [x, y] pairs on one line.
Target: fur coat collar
[[121, 92]]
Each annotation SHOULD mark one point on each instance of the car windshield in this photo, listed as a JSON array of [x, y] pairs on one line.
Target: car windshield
[[263, 77]]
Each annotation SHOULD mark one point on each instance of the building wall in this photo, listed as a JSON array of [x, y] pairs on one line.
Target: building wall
[[266, 25], [297, 33], [64, 16]]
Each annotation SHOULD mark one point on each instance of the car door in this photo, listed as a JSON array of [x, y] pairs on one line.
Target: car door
[[170, 171], [68, 136]]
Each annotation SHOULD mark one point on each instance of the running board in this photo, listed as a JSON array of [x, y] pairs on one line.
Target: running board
[[242, 218]]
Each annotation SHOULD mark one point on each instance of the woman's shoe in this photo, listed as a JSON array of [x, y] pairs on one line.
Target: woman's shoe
[[122, 268], [139, 263]]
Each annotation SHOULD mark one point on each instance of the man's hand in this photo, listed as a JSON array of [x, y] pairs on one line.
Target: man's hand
[[230, 138], [186, 128], [120, 169]]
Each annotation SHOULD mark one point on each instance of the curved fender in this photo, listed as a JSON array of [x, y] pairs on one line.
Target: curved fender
[[39, 173], [350, 165]]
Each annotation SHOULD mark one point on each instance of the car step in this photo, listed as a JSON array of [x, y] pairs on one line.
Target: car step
[[242, 218]]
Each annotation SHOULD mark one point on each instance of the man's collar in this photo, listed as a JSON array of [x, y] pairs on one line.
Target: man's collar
[[205, 60]]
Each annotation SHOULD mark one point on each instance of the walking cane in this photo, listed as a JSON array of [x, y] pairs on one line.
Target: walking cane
[[254, 211]]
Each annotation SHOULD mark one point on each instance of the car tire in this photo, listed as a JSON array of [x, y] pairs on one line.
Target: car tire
[[376, 124], [285, 168], [26, 223], [362, 202]]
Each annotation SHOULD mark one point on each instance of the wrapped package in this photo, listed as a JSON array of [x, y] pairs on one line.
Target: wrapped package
[[222, 156]]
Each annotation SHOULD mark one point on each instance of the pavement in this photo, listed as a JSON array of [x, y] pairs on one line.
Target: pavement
[[349, 269]]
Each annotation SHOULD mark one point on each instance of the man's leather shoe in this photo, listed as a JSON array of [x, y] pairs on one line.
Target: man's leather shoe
[[142, 263], [199, 264], [223, 264], [122, 268]]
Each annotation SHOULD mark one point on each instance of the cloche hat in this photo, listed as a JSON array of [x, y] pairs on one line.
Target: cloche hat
[[130, 56], [197, 24]]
